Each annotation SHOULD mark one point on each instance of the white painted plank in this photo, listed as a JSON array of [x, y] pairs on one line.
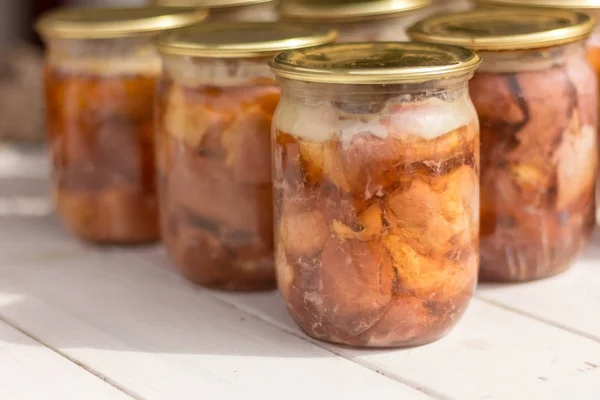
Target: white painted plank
[[497, 349], [584, 386], [35, 238], [160, 338], [490, 353], [24, 161], [571, 300], [28, 370]]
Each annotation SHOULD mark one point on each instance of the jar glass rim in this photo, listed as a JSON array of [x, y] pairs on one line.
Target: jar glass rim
[[375, 63], [505, 28], [114, 22]]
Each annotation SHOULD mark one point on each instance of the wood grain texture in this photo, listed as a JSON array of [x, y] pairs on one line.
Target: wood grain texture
[[160, 338], [492, 352], [583, 386], [29, 370], [571, 300]]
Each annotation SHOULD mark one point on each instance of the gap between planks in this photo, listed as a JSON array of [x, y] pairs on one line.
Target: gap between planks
[[358, 360], [86, 368], [331, 349], [575, 331]]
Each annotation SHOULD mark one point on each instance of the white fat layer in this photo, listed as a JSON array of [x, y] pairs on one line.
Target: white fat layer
[[150, 66], [216, 72], [321, 120]]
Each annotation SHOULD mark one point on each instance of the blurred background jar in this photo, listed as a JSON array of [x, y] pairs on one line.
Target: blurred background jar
[[536, 97], [590, 7], [216, 100], [358, 20], [376, 188], [229, 10], [100, 75]]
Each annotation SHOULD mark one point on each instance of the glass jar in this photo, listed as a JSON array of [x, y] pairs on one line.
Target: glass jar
[[230, 10], [215, 105], [100, 79], [536, 97], [376, 188], [360, 20]]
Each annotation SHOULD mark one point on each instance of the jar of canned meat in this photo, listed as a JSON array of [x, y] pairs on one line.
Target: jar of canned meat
[[215, 105], [230, 10], [361, 20], [376, 188], [100, 75], [536, 97], [590, 7]]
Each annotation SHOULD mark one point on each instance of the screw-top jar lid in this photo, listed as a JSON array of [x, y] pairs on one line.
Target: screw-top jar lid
[[112, 22], [240, 40], [504, 28], [346, 10], [210, 3], [568, 4], [375, 63]]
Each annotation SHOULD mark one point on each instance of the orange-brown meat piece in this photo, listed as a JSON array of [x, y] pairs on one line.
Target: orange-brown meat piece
[[215, 182], [375, 247], [101, 139], [538, 161]]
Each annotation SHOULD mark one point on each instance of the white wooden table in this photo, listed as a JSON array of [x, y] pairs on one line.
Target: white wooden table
[[78, 322]]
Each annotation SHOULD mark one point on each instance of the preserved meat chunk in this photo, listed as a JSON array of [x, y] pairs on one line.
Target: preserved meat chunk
[[215, 182], [377, 234], [101, 139], [538, 162]]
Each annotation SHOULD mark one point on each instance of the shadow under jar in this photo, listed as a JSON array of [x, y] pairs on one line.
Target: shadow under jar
[[216, 101], [230, 10], [100, 80], [361, 20], [376, 188], [536, 97]]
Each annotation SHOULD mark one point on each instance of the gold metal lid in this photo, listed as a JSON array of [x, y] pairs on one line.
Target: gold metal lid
[[375, 63], [235, 40], [210, 3], [568, 4], [346, 9], [504, 28], [113, 22]]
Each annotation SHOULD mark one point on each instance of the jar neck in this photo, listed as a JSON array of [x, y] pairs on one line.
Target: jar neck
[[530, 59], [134, 55], [197, 71], [447, 88]]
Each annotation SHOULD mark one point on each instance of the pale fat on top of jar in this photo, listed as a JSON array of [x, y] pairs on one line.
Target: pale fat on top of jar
[[412, 89]]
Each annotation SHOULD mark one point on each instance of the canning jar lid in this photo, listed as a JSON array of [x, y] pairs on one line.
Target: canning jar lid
[[504, 28], [241, 40], [375, 63], [345, 9], [570, 4], [114, 22], [210, 3]]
